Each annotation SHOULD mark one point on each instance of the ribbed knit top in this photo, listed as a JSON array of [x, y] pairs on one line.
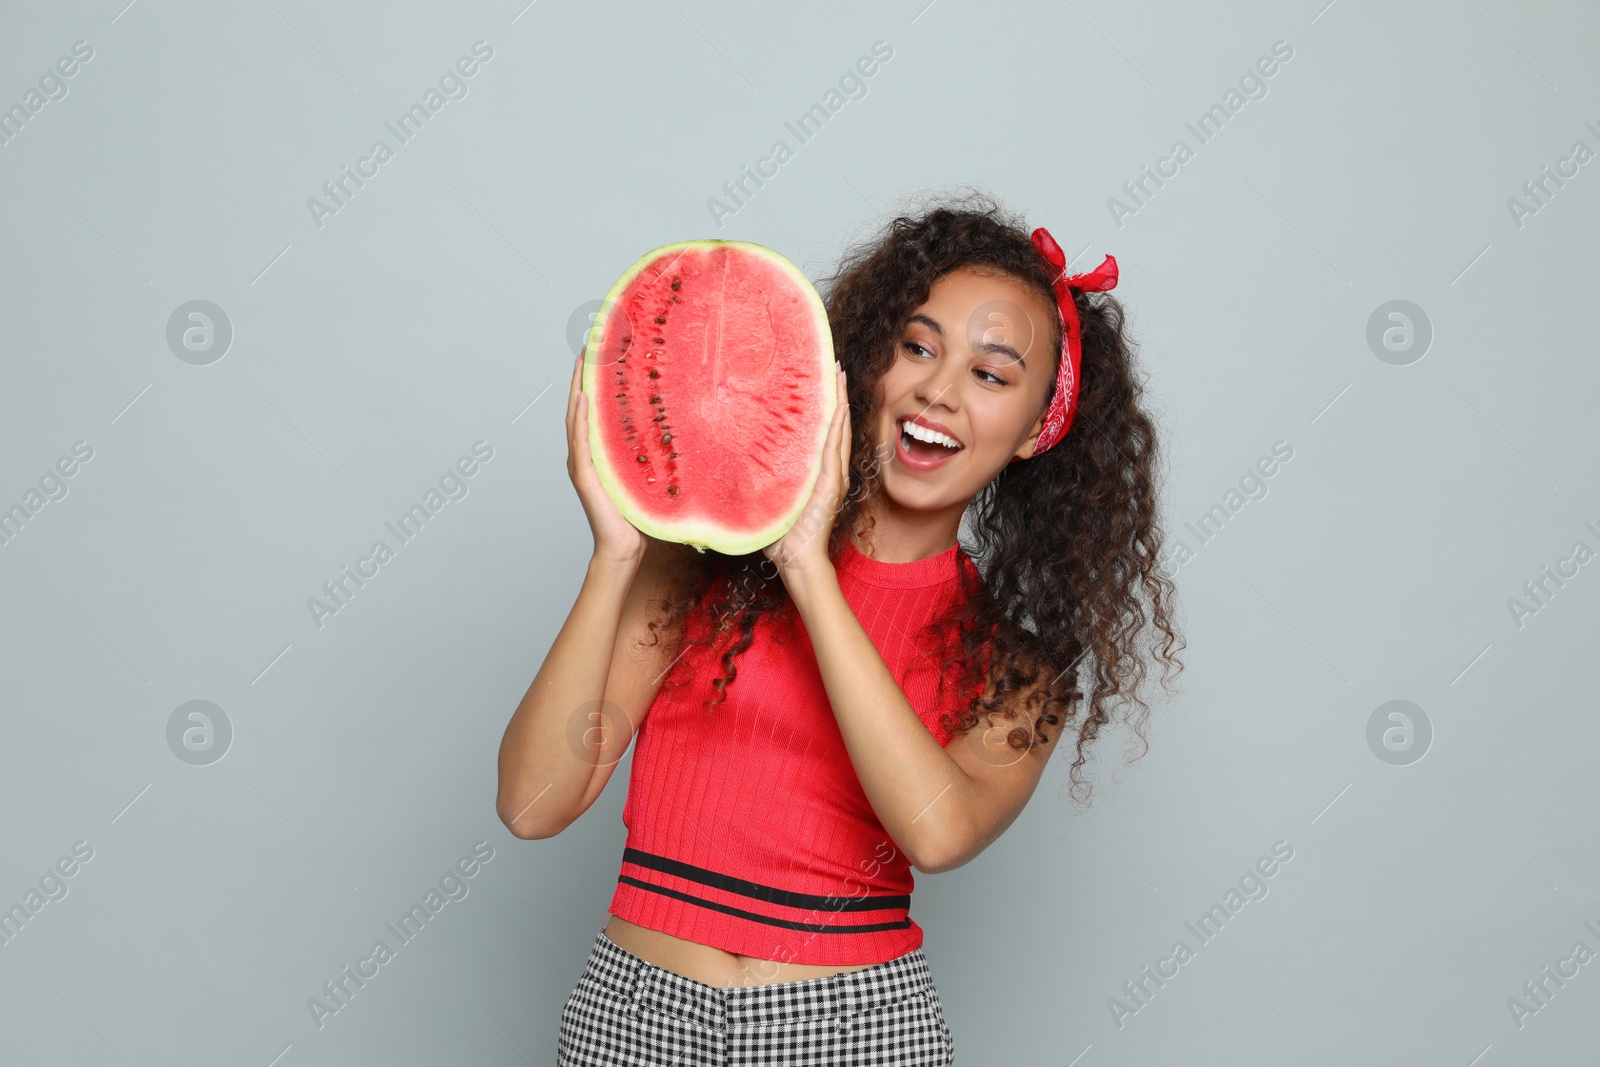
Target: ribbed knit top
[[748, 829]]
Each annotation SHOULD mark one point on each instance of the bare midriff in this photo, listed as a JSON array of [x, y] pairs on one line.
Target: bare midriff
[[711, 966]]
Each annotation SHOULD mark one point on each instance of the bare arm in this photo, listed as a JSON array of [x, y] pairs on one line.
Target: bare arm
[[588, 699], [942, 806], [591, 693]]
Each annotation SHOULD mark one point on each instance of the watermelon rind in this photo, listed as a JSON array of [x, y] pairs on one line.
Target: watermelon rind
[[709, 535]]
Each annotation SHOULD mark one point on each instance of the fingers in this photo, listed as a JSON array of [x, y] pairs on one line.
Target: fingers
[[830, 453], [836, 456], [578, 422], [843, 417], [844, 433], [581, 429], [573, 388]]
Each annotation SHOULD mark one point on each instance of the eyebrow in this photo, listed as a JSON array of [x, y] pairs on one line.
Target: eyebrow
[[992, 347]]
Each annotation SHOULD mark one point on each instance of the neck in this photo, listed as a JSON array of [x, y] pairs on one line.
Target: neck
[[900, 535]]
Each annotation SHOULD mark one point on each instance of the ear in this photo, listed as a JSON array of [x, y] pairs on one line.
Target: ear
[[1025, 450]]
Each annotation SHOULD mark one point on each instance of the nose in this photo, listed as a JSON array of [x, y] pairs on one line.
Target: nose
[[938, 384]]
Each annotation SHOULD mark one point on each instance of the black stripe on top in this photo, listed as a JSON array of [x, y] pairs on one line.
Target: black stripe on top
[[819, 928], [757, 891]]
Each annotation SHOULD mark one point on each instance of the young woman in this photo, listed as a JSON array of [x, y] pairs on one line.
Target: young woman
[[860, 697]]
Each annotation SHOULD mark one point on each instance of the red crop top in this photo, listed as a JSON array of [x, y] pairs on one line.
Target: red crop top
[[748, 829]]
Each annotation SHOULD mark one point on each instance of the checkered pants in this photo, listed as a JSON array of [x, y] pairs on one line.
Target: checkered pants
[[626, 1012]]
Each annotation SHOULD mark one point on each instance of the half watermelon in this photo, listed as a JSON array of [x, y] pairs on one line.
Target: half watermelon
[[711, 383]]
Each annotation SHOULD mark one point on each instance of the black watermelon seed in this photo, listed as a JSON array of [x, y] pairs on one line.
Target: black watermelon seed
[[661, 340], [642, 459], [676, 282], [672, 489], [666, 439], [672, 455], [658, 418], [661, 320], [654, 373], [656, 399]]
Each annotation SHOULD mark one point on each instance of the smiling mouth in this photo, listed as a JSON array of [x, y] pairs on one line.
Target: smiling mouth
[[923, 443]]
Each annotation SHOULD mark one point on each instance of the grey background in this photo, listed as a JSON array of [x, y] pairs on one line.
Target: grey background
[[431, 312]]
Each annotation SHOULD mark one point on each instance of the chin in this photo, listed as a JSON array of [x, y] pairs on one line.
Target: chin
[[913, 495]]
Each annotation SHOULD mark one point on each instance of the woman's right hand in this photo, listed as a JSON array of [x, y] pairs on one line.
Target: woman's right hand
[[615, 538]]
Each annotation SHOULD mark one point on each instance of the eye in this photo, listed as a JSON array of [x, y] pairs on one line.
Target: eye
[[914, 348], [997, 379]]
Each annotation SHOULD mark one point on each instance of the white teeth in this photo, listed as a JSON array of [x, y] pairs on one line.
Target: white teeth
[[922, 433]]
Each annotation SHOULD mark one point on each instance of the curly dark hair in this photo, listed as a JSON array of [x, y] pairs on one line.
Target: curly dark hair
[[1066, 541]]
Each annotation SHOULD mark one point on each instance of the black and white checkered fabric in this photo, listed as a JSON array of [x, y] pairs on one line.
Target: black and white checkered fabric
[[626, 1012]]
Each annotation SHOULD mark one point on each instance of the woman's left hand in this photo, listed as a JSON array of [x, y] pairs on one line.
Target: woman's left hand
[[805, 547]]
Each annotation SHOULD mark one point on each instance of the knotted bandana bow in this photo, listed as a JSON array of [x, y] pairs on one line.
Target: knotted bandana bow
[[1064, 404]]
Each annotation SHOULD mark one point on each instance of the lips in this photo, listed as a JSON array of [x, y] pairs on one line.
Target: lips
[[926, 457]]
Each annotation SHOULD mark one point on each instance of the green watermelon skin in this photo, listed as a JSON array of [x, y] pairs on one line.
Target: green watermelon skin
[[711, 379]]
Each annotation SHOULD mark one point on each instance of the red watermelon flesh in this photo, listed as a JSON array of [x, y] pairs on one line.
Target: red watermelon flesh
[[711, 380]]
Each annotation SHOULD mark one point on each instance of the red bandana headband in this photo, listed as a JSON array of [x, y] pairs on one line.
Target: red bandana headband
[[1064, 404]]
